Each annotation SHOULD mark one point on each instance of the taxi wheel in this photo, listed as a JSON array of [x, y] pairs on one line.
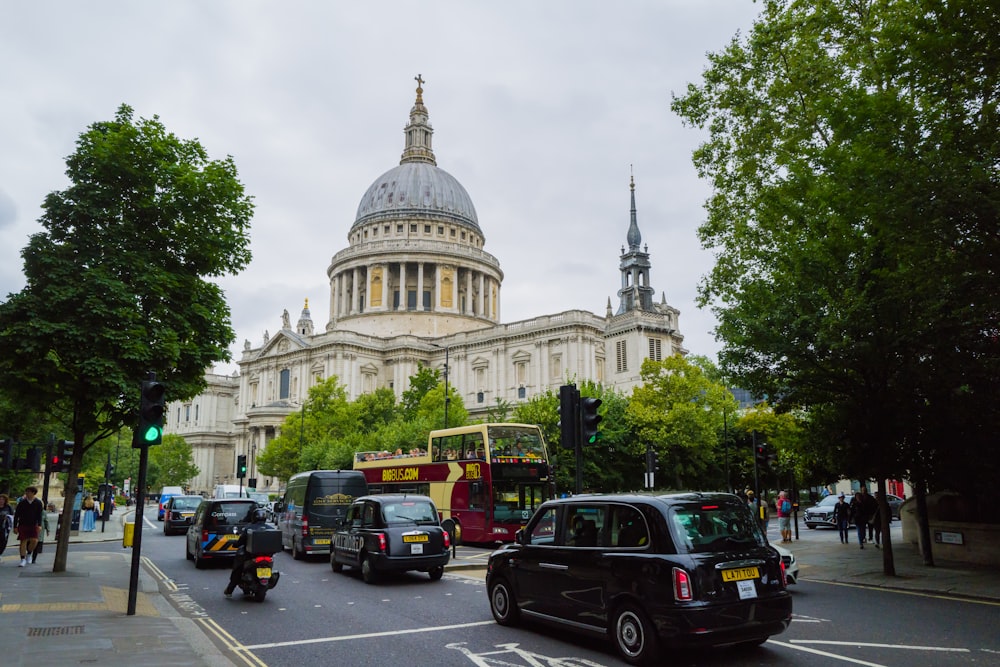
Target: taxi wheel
[[187, 552], [296, 553], [436, 572], [634, 635], [199, 562], [368, 572], [337, 567], [502, 603]]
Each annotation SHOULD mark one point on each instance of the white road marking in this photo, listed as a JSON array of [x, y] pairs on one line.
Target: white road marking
[[825, 654], [872, 645], [370, 635]]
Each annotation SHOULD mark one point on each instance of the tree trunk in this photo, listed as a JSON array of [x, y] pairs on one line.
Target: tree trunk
[[923, 522], [885, 518], [66, 518]]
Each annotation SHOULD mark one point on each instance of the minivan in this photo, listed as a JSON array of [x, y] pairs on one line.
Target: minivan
[[314, 504], [216, 528], [230, 491]]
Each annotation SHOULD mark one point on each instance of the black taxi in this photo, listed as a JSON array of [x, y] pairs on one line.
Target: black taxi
[[391, 533], [691, 569]]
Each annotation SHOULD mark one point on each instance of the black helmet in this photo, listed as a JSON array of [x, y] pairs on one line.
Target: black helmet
[[259, 515]]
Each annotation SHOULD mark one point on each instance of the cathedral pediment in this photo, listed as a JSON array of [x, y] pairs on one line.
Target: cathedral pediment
[[283, 342]]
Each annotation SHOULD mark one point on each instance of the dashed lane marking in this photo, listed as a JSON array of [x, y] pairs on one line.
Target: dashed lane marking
[[370, 635]]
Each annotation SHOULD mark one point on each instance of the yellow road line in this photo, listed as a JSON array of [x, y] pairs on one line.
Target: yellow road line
[[241, 651]]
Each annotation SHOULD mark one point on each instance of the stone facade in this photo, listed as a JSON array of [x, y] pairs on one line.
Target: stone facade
[[414, 286]]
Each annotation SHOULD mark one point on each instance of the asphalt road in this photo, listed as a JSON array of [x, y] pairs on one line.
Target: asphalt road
[[315, 616]]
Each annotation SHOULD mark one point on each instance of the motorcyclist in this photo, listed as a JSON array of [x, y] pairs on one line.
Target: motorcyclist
[[258, 522]]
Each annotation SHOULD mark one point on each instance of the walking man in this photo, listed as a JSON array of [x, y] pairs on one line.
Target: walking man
[[842, 517], [861, 510], [28, 522], [784, 517]]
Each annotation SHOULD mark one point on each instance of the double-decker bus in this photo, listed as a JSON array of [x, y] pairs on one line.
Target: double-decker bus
[[486, 479]]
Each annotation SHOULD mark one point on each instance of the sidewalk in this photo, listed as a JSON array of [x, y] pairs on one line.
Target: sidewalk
[[79, 616]]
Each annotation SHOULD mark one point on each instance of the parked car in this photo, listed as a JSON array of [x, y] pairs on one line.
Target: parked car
[[166, 493], [215, 528], [791, 565], [821, 514], [178, 513], [690, 569], [895, 503], [391, 533]]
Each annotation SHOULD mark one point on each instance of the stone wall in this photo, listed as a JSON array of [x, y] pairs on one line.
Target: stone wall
[[960, 541]]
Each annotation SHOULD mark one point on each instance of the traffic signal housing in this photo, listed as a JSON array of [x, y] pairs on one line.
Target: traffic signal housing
[[569, 398], [761, 453], [152, 406], [61, 457], [6, 454], [241, 466], [589, 419], [652, 460]]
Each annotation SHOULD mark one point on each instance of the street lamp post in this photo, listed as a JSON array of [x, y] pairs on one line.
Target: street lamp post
[[447, 397]]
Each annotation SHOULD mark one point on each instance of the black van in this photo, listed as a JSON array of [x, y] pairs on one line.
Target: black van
[[314, 504]]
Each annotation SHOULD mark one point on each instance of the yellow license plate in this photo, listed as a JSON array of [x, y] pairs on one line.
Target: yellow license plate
[[740, 574], [327, 542], [416, 538], [185, 515], [228, 537], [263, 573]]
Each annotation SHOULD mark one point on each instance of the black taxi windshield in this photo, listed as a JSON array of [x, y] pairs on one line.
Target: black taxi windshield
[[409, 512], [702, 527]]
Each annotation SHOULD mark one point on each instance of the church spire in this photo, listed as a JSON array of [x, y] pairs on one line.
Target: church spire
[[633, 237], [419, 131]]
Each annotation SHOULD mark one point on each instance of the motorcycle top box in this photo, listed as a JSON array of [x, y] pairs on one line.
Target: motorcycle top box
[[263, 541]]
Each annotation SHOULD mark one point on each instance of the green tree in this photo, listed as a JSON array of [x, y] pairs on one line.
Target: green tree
[[422, 382], [117, 284], [175, 461], [852, 155]]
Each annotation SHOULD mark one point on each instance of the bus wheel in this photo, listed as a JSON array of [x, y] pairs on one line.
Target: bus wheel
[[453, 529]]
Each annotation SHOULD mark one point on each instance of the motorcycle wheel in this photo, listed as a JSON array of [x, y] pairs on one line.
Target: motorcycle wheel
[[260, 594]]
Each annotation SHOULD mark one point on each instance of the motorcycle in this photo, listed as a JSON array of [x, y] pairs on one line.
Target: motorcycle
[[258, 576]]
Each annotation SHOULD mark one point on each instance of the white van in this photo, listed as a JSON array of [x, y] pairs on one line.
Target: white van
[[230, 491]]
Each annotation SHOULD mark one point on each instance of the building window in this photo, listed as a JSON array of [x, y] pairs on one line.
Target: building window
[[480, 397], [411, 299], [521, 372], [521, 392], [440, 230], [286, 376], [196, 411], [654, 349], [399, 229], [452, 232], [622, 361], [427, 229], [413, 229], [187, 413]]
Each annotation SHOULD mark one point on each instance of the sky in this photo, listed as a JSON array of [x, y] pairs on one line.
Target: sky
[[542, 110]]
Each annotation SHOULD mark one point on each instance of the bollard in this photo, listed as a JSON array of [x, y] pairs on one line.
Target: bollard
[[128, 534]]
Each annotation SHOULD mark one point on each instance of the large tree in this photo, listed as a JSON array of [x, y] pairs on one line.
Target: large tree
[[854, 160], [118, 283]]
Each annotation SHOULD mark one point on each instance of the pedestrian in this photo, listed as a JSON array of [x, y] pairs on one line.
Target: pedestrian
[[875, 523], [784, 516], [43, 533], [842, 518], [6, 521], [87, 515], [861, 511], [764, 512], [27, 522]]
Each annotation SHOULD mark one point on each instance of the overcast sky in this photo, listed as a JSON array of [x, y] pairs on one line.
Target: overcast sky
[[538, 108]]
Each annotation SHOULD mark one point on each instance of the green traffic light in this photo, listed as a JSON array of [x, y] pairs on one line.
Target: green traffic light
[[152, 433]]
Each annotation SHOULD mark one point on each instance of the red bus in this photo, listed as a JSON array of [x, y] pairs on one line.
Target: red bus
[[486, 479]]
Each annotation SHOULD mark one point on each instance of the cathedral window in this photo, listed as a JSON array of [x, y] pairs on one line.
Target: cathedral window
[[399, 229], [285, 379], [427, 229], [387, 228], [622, 357], [521, 392], [463, 236], [196, 411], [655, 352], [187, 412], [480, 397], [440, 230], [413, 229]]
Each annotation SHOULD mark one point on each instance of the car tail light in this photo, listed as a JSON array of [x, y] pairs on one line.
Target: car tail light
[[204, 536], [381, 542], [682, 585], [447, 539], [305, 527], [784, 575]]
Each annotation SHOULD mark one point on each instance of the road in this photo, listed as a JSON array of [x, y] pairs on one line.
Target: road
[[315, 616]]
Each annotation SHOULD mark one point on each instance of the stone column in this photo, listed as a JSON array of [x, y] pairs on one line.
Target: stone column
[[420, 286], [402, 285], [482, 294], [354, 290], [468, 292]]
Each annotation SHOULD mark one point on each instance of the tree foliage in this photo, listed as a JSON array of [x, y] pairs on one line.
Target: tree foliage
[[117, 284], [174, 460], [854, 164]]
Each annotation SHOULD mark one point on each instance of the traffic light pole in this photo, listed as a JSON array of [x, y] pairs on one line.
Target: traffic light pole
[[140, 501]]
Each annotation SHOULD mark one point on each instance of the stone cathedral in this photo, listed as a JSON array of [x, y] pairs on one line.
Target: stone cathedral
[[415, 285]]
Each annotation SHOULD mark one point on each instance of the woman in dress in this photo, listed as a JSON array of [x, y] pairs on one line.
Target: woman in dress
[[87, 522]]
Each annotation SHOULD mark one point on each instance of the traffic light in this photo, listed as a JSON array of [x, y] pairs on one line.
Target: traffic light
[[61, 457], [590, 419], [652, 460], [33, 458], [760, 453], [241, 466], [6, 454], [568, 400], [152, 405]]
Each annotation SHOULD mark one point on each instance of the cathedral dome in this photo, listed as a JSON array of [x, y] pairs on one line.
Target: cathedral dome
[[417, 190]]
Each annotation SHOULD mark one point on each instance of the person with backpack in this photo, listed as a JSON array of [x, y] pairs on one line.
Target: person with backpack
[[784, 507]]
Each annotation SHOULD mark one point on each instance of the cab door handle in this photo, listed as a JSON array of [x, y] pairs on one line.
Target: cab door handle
[[553, 566]]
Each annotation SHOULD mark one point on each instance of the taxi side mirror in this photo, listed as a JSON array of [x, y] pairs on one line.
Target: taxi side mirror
[[519, 536]]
